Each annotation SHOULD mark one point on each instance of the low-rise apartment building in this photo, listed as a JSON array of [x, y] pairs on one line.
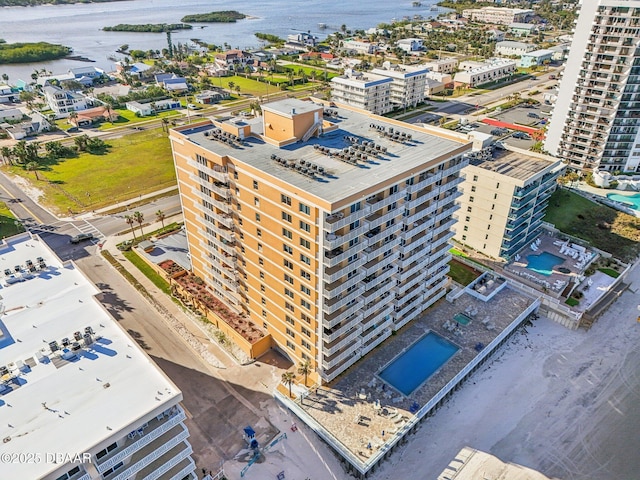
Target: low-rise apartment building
[[536, 58], [509, 48], [498, 15], [80, 399], [504, 196], [360, 46], [407, 83], [366, 91], [442, 65], [479, 73], [328, 228]]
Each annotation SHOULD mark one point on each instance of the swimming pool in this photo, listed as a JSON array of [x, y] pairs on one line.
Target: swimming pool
[[632, 200], [412, 368], [462, 319], [543, 263]]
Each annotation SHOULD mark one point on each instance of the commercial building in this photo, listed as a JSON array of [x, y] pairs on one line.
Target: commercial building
[[479, 73], [79, 400], [503, 200], [442, 65], [327, 227], [407, 83], [596, 118], [366, 91], [510, 48], [498, 15], [536, 58]]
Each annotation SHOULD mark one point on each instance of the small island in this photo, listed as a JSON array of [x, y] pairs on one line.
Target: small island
[[267, 37], [226, 16], [148, 27], [31, 52]]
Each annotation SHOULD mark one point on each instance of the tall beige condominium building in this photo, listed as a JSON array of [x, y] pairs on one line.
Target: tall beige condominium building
[[504, 197], [327, 227], [596, 118]]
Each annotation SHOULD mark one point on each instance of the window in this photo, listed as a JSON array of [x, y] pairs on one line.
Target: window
[[355, 207], [306, 345], [104, 451], [352, 258], [112, 469], [288, 278], [305, 226], [289, 307], [498, 185], [467, 218], [393, 206], [305, 304], [471, 199], [235, 175], [262, 288], [475, 178], [493, 206], [306, 318], [239, 207], [291, 333], [495, 196], [288, 264], [256, 201], [241, 236], [305, 289], [304, 209], [258, 232], [261, 261], [263, 301], [286, 200], [491, 217], [305, 275], [262, 275], [288, 293], [264, 325], [255, 185], [305, 331], [239, 220], [289, 320], [464, 237], [290, 345], [353, 241], [258, 217], [286, 217], [393, 190], [466, 228], [489, 227], [287, 248], [305, 259], [473, 188], [486, 237], [469, 209], [305, 243], [264, 314], [287, 233]]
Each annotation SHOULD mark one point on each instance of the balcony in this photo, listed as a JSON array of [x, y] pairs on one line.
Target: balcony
[[381, 336], [430, 179], [411, 282], [227, 247], [218, 172], [174, 437], [374, 265], [417, 228], [375, 220], [331, 347], [374, 236], [373, 281], [334, 319], [342, 330], [444, 227], [329, 363], [334, 273], [378, 329], [375, 251], [228, 235], [341, 300], [179, 461], [333, 240], [336, 221], [421, 212], [377, 202], [331, 290]]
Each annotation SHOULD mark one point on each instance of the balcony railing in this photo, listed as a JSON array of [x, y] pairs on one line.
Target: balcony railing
[[378, 204], [333, 240], [344, 329], [374, 265], [331, 349], [376, 251], [165, 467], [334, 319], [422, 184], [375, 220], [366, 337], [337, 288], [334, 273], [329, 308], [219, 173], [337, 221]]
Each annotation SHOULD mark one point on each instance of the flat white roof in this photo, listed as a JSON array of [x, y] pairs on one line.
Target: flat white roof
[[55, 405]]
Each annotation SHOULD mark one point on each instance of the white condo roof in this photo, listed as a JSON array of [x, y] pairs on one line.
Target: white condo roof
[[64, 406]]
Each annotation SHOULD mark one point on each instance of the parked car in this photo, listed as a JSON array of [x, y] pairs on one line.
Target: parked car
[[521, 136], [499, 131], [81, 237], [191, 106], [533, 115]]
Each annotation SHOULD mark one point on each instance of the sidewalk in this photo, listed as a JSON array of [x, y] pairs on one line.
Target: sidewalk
[[139, 198]]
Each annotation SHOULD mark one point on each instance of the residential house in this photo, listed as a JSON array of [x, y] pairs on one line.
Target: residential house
[[433, 87], [509, 48], [212, 96], [63, 102], [560, 52], [233, 60], [496, 35], [172, 82], [142, 71], [536, 58], [410, 45], [90, 116], [445, 78], [10, 114], [144, 109], [7, 95], [304, 40], [37, 123]]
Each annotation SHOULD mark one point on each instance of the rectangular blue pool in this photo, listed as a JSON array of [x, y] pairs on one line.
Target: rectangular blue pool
[[412, 368]]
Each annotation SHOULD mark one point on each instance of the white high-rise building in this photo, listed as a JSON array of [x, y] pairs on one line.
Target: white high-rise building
[[596, 118], [79, 400]]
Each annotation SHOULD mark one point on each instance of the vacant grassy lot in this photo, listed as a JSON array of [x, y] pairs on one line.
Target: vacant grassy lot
[[603, 227], [8, 225], [134, 165], [247, 85]]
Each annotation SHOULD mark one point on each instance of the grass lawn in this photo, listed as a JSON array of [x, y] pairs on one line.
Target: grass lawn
[[136, 164], [572, 302], [148, 272], [127, 117], [462, 273], [247, 85], [609, 271], [8, 225], [603, 227], [319, 71]]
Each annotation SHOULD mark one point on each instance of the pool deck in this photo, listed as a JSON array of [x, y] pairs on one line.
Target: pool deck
[[547, 244], [358, 407]]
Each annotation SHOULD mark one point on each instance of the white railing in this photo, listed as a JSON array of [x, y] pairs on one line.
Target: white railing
[[373, 252], [334, 307], [342, 343], [158, 472], [403, 287], [219, 175], [330, 323], [386, 201], [330, 293], [388, 273], [334, 222], [422, 184], [340, 257], [421, 214], [332, 243], [86, 476], [377, 341], [145, 440], [421, 227], [379, 265], [393, 229], [342, 271], [227, 235], [157, 453], [354, 322], [185, 471], [376, 222]]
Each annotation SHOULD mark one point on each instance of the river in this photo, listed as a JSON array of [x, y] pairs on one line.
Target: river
[[79, 26]]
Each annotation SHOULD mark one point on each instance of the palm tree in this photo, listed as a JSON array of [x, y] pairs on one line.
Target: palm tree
[[165, 125], [139, 217], [161, 216], [7, 155], [32, 167], [129, 219], [287, 379], [73, 116], [238, 89], [304, 368]]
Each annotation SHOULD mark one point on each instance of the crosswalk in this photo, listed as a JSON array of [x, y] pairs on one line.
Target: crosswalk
[[60, 226]]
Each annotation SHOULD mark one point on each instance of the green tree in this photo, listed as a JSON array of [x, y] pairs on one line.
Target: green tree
[[129, 219], [32, 167], [304, 368], [288, 379], [81, 142], [139, 217], [7, 155], [161, 216]]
